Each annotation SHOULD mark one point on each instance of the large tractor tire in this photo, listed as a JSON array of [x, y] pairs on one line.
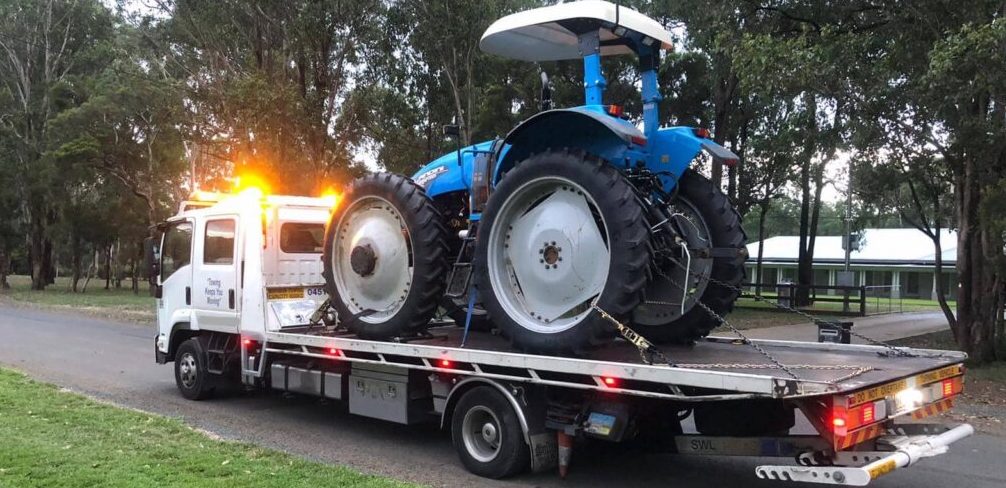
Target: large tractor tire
[[561, 231], [705, 218], [385, 257]]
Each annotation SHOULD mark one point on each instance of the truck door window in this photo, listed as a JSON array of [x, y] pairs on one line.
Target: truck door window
[[219, 245], [301, 238], [177, 249]]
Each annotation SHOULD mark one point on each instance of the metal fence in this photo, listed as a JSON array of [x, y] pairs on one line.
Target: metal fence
[[863, 300], [884, 299], [783, 293]]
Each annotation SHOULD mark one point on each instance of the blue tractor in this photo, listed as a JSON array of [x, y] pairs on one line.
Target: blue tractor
[[575, 209]]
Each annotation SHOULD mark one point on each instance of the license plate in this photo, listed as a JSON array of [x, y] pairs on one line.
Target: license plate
[[295, 293]]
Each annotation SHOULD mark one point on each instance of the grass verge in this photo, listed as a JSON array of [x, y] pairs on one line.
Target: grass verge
[[113, 303], [53, 439]]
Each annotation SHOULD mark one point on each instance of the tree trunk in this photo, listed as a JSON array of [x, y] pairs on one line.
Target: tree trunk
[[4, 269], [75, 262], [805, 270], [763, 212], [941, 292], [36, 247], [980, 290], [108, 267]]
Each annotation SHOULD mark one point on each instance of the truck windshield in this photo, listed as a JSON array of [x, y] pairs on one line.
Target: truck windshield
[[301, 238]]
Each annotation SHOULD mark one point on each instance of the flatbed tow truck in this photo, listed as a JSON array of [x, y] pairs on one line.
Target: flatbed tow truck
[[240, 299]]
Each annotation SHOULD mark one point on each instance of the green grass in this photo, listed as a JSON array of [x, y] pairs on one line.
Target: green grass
[[56, 439], [112, 302], [873, 305]]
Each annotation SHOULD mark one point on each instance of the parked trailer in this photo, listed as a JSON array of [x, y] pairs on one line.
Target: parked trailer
[[239, 283]]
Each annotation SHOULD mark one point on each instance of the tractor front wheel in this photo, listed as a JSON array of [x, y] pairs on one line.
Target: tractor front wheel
[[561, 232]]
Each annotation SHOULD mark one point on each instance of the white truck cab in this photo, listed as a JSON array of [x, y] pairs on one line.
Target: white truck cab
[[241, 264]]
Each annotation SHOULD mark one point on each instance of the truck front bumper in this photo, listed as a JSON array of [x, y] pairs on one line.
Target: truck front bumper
[[906, 450]]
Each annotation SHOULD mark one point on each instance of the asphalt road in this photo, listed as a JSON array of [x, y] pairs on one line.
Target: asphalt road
[[880, 327], [114, 362]]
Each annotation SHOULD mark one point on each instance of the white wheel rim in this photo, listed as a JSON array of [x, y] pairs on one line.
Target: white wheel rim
[[482, 434], [663, 297], [373, 222], [548, 255]]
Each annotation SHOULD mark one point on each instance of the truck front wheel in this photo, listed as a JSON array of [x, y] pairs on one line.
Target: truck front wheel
[[191, 376], [487, 434]]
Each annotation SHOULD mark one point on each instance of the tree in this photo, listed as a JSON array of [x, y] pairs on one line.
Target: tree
[[45, 46]]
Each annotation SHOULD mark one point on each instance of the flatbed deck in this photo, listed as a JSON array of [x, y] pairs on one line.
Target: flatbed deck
[[716, 368]]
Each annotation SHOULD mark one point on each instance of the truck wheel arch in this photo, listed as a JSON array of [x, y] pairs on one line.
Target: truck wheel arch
[[180, 332], [580, 128], [467, 384]]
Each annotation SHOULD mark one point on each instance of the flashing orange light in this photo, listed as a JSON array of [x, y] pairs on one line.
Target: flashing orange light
[[331, 197], [250, 185]]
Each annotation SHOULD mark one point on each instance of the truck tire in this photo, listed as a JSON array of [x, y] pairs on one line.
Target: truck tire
[[487, 434], [722, 226], [561, 231], [191, 376], [385, 257]]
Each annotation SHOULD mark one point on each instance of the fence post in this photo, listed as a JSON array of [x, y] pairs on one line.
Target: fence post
[[862, 301]]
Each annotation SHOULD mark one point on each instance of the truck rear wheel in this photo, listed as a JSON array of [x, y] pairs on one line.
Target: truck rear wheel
[[385, 256], [191, 375], [561, 231], [487, 434]]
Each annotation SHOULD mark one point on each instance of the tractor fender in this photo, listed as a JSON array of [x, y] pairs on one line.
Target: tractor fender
[[587, 128]]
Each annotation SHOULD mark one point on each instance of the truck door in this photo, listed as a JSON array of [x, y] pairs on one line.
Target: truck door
[[175, 276], [215, 294]]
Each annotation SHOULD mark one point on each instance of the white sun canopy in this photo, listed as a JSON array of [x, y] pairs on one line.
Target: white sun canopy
[[540, 35]]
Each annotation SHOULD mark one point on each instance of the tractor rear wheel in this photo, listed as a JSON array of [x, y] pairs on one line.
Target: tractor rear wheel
[[561, 231], [704, 218], [385, 257]]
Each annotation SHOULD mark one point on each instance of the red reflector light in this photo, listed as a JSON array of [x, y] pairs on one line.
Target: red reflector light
[[639, 141], [445, 363], [616, 110], [246, 342], [702, 132], [333, 351], [948, 387], [609, 381]]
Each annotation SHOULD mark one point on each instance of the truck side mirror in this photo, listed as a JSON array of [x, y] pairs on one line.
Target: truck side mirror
[[152, 259]]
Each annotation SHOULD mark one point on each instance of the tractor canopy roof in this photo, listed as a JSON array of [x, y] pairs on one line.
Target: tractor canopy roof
[[551, 33]]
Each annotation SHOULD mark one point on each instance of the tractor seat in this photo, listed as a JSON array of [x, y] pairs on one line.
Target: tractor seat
[[551, 33]]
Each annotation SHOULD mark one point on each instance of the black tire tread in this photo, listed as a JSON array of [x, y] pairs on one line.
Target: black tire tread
[[726, 230], [631, 260], [426, 228]]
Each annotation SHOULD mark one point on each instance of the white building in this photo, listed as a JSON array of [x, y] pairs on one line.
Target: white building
[[899, 262]]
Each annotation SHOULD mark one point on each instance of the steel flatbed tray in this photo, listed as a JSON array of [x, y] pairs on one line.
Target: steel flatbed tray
[[717, 368]]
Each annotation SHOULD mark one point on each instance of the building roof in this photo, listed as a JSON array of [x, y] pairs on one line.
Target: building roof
[[895, 247]]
